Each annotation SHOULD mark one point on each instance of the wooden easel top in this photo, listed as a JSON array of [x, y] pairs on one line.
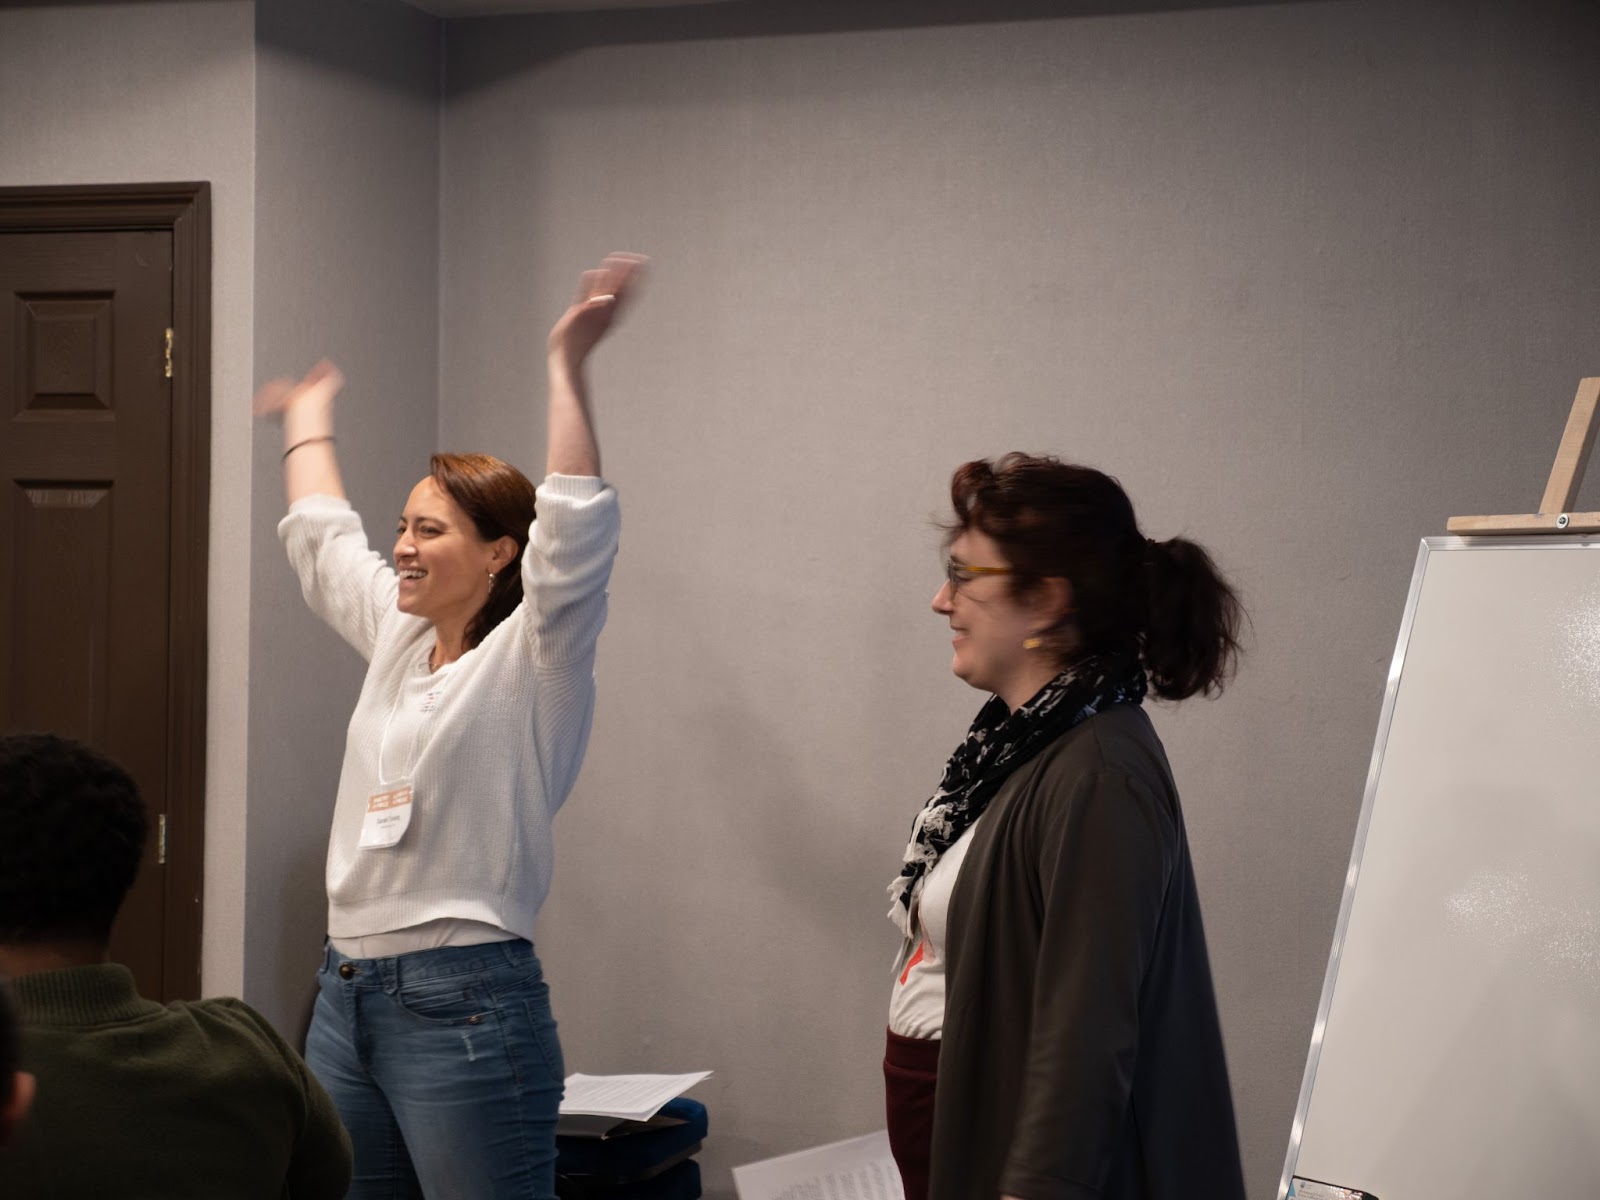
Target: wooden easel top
[[1572, 458]]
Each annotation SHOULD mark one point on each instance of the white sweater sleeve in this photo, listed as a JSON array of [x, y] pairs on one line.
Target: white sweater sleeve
[[565, 568], [564, 573], [344, 580]]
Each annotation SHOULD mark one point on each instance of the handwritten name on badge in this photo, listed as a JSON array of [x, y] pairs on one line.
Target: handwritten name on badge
[[388, 815]]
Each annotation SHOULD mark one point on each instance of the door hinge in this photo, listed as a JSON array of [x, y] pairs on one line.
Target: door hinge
[[169, 354], [161, 840]]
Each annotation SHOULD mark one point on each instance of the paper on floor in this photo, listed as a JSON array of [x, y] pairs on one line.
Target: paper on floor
[[858, 1169]]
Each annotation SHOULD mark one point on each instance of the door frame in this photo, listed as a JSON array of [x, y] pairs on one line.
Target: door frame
[[184, 210]]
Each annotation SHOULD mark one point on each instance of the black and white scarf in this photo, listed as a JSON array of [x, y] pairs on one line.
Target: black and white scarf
[[998, 743]]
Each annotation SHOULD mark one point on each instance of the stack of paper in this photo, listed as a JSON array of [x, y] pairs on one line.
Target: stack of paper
[[625, 1097]]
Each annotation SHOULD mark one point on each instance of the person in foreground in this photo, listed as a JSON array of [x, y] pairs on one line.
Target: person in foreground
[[1053, 1031], [433, 1027], [16, 1085], [198, 1098]]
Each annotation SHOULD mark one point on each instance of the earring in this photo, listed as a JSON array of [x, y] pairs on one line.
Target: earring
[[1032, 643]]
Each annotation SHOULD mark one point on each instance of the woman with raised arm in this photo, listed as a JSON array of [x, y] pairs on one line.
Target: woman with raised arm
[[1053, 1033], [432, 1028]]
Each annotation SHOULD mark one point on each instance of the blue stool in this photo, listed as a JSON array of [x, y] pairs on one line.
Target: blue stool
[[635, 1163]]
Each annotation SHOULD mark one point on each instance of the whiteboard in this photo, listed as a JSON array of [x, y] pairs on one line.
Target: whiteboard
[[1456, 1051]]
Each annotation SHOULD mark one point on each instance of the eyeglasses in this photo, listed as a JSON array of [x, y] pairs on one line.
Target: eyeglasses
[[958, 573]]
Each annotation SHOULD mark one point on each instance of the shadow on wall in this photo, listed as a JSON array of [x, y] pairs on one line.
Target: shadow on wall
[[340, 35], [537, 38], [298, 955]]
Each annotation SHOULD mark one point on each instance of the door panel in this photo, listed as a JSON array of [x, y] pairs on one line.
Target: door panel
[[85, 554]]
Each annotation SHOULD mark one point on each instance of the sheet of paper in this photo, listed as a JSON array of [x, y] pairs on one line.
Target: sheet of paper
[[630, 1097], [858, 1169]]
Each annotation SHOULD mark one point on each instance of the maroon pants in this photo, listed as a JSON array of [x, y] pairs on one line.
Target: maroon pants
[[910, 1070]]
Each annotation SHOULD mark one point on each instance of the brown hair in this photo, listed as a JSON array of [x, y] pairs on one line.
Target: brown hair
[[1164, 601], [499, 499]]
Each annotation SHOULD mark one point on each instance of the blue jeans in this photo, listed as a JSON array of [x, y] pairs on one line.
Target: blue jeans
[[446, 1070]]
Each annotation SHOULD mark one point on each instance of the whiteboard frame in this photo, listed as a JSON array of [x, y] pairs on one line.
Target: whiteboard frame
[[1391, 693]]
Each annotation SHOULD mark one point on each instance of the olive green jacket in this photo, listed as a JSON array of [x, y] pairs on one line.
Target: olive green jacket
[[137, 1099]]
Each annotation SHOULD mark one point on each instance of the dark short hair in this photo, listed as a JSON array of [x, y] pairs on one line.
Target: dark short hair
[[72, 832], [499, 500]]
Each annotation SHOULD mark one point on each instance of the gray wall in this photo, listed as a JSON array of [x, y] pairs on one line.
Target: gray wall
[[347, 250], [132, 93], [322, 147], [1309, 278]]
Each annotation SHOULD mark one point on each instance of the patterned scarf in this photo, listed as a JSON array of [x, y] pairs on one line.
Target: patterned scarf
[[998, 743]]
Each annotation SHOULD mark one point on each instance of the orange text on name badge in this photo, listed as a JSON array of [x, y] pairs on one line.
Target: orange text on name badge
[[379, 801]]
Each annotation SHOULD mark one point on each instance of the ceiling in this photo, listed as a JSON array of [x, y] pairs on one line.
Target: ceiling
[[484, 8]]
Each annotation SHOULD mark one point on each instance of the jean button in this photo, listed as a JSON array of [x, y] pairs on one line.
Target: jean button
[[346, 970]]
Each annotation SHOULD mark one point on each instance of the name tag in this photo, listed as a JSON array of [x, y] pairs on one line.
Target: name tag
[[388, 815]]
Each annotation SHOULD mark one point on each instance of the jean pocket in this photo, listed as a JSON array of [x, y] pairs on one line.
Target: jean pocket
[[455, 1000], [542, 1025]]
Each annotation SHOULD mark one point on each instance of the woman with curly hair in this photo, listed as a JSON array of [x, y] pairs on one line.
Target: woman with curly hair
[[1053, 1031]]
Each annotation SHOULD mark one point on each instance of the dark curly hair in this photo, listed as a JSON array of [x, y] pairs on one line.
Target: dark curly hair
[[1164, 601], [72, 832]]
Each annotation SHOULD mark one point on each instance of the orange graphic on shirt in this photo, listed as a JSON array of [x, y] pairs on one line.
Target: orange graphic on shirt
[[915, 959]]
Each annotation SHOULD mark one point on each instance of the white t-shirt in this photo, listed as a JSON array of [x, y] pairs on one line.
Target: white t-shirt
[[916, 1006]]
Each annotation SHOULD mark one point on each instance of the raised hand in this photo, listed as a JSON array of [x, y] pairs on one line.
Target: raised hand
[[309, 464], [572, 447], [602, 295], [315, 390]]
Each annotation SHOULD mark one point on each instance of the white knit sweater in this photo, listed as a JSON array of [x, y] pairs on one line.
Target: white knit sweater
[[509, 722]]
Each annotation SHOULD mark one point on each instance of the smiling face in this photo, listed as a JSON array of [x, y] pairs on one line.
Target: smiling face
[[989, 625], [443, 564]]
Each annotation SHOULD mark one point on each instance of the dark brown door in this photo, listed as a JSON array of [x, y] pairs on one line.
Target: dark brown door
[[86, 527]]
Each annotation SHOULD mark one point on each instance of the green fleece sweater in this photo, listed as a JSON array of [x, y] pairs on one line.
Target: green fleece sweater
[[136, 1099]]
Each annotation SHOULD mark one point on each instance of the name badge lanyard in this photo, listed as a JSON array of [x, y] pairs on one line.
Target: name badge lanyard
[[388, 814], [416, 737]]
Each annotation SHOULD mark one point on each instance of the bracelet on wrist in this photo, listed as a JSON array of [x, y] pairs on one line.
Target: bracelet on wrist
[[326, 437]]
